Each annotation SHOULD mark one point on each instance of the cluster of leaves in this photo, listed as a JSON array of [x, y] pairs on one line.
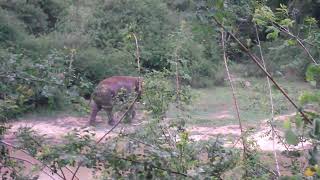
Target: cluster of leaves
[[27, 83], [38, 16], [123, 156], [313, 75]]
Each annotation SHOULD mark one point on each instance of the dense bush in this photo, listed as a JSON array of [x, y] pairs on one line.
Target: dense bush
[[96, 64], [11, 29], [39, 16], [280, 58], [29, 83], [151, 20]]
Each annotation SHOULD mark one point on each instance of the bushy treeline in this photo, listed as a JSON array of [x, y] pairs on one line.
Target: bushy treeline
[[54, 50], [85, 41]]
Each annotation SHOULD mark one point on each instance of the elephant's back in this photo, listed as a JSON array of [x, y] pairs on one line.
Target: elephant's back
[[109, 87]]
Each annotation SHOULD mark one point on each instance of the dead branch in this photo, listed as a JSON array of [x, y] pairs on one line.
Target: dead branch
[[233, 94], [271, 104]]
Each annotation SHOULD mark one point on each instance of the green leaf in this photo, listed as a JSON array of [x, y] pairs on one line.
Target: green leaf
[[291, 137], [287, 124], [219, 4], [291, 42], [286, 22], [299, 122]]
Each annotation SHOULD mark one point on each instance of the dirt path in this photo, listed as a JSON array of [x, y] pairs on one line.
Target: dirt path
[[230, 134], [56, 127]]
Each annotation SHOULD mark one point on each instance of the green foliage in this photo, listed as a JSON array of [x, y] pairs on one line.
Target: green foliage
[[28, 84], [97, 65], [10, 32], [38, 16], [154, 155], [281, 58], [195, 65], [308, 97], [313, 74], [291, 138], [133, 160], [154, 101], [97, 38], [150, 20]]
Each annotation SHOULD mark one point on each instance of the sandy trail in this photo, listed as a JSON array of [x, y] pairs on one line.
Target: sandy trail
[[261, 135], [56, 127]]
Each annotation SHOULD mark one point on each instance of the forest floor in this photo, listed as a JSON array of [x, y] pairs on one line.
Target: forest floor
[[213, 116]]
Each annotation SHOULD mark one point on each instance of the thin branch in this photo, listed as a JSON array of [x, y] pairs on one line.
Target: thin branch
[[138, 60], [286, 31], [271, 103], [28, 154], [64, 177], [256, 60], [177, 79], [33, 164], [233, 94], [139, 141], [156, 167]]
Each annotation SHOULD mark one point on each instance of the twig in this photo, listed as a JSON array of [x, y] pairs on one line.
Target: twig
[[256, 60], [286, 31], [177, 79], [271, 103], [156, 167], [236, 106], [28, 154], [168, 139], [27, 161], [64, 177], [139, 141], [138, 60]]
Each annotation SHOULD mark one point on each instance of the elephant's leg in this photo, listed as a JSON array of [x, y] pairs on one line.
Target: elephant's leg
[[95, 108], [109, 114], [131, 113]]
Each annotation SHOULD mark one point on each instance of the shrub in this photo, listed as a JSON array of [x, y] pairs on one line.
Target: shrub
[[150, 20], [96, 64], [31, 83], [280, 58], [11, 29], [313, 74], [38, 15]]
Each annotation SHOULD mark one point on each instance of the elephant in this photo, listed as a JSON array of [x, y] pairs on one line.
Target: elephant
[[106, 92]]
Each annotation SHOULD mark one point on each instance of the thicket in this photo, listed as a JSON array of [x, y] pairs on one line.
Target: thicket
[[98, 36]]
